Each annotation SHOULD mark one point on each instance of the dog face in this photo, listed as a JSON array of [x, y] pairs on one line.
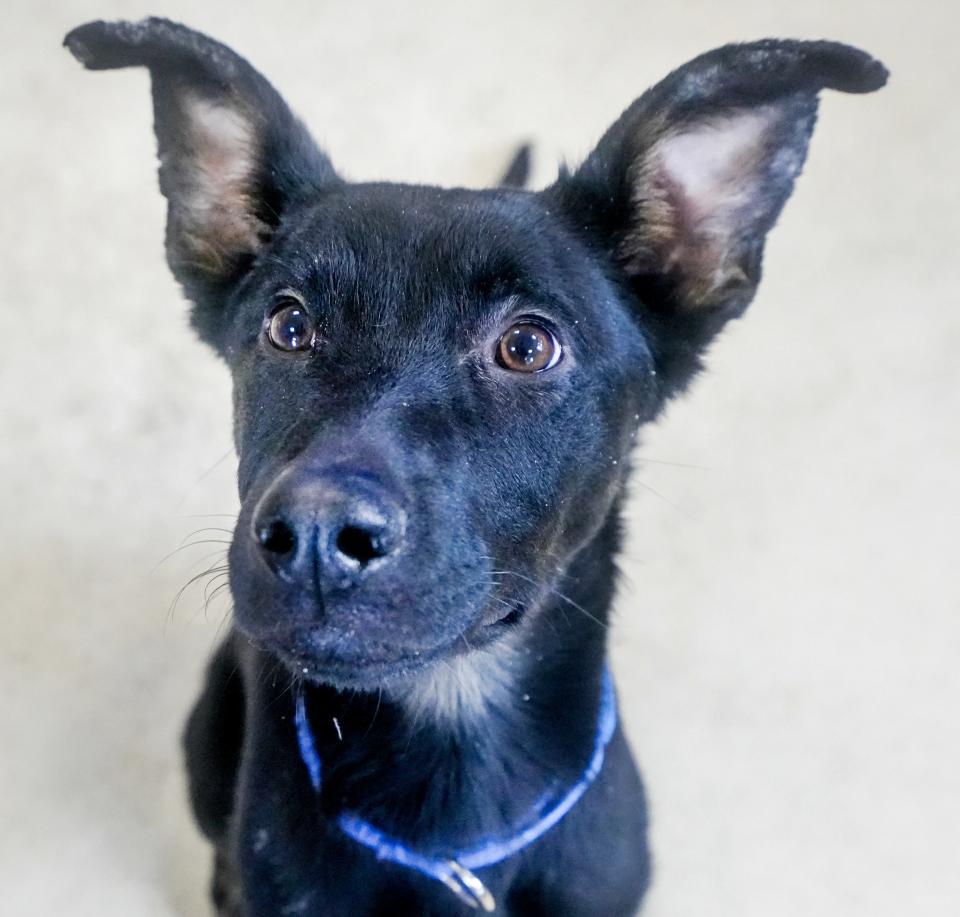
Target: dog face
[[436, 391], [432, 387]]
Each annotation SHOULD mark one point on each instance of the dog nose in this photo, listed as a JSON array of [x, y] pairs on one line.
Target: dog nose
[[331, 530]]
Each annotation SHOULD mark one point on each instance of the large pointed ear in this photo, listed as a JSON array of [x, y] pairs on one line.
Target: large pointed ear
[[232, 155], [684, 187]]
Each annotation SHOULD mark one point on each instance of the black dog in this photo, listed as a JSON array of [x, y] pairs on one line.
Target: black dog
[[436, 396]]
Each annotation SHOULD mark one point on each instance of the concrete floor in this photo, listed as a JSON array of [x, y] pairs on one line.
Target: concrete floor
[[790, 618]]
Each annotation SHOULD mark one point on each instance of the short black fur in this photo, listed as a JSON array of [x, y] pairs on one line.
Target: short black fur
[[427, 536]]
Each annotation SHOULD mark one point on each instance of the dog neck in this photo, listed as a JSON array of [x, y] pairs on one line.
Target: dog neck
[[462, 693], [484, 736]]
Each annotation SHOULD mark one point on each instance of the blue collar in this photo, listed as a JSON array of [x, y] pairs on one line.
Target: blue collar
[[456, 870]]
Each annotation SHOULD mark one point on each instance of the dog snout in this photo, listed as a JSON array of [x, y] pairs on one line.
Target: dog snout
[[329, 529]]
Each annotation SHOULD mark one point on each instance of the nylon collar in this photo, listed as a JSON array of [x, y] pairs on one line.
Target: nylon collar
[[456, 871]]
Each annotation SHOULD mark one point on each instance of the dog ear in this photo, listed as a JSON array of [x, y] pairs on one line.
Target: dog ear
[[232, 155], [683, 188]]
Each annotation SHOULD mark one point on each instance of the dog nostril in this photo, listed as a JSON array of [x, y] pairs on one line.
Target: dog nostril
[[277, 537], [360, 545]]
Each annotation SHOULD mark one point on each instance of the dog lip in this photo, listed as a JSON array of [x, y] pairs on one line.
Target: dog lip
[[351, 672], [357, 669], [512, 617], [508, 615]]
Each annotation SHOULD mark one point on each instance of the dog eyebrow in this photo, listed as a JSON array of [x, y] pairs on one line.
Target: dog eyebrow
[[501, 277], [332, 271]]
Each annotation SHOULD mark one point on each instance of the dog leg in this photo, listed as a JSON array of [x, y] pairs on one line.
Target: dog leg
[[225, 888], [212, 744]]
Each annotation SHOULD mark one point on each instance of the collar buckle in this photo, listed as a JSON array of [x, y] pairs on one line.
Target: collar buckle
[[468, 888]]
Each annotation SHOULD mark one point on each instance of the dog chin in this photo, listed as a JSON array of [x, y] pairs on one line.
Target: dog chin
[[363, 668], [367, 674]]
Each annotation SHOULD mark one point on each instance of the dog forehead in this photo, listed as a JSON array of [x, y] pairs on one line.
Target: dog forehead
[[389, 236], [422, 209]]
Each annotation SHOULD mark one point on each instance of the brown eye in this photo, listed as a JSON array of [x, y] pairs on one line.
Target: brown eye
[[528, 347], [290, 327]]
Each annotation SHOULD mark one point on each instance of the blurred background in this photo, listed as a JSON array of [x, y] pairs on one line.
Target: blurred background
[[789, 621]]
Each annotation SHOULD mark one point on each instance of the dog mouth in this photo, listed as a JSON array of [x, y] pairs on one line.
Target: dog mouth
[[344, 663]]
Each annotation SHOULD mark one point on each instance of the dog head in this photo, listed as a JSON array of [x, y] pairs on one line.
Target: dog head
[[437, 390]]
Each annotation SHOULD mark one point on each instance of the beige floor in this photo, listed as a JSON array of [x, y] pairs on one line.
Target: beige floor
[[790, 621]]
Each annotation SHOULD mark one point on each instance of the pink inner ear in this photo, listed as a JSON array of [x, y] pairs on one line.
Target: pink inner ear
[[714, 167], [701, 191], [222, 141], [216, 208]]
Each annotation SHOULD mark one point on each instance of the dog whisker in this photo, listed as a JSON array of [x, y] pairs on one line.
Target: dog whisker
[[215, 592], [183, 547], [651, 461], [208, 528], [656, 493], [211, 516], [205, 474], [220, 568], [557, 593], [220, 555], [376, 710]]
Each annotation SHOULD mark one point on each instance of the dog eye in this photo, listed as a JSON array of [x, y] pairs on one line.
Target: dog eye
[[290, 327], [528, 347]]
